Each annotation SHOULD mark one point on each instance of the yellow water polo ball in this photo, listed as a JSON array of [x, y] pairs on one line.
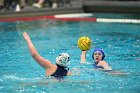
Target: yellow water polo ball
[[84, 43]]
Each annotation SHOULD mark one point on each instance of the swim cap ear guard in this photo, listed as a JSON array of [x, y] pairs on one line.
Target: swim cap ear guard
[[63, 60], [100, 50]]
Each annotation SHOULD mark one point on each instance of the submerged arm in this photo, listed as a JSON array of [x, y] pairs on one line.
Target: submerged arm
[[41, 61]]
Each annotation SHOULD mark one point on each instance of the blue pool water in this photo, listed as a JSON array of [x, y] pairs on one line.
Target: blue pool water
[[19, 73]]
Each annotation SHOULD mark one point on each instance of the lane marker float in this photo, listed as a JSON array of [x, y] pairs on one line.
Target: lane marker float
[[74, 17], [107, 20]]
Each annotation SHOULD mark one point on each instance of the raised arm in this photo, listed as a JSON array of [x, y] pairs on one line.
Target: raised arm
[[41, 61], [83, 57]]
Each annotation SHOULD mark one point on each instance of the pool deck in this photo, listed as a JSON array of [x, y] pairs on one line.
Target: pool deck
[[86, 6], [112, 6]]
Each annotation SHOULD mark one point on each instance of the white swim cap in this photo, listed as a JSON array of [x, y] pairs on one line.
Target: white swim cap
[[63, 60]]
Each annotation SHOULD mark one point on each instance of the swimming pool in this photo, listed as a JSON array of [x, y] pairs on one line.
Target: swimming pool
[[20, 73]]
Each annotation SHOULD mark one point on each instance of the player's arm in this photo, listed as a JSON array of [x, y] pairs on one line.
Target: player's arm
[[41, 61]]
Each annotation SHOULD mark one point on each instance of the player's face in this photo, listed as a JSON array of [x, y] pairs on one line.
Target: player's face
[[98, 56]]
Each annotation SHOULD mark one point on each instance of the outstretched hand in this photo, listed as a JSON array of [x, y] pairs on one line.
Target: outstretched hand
[[26, 36]]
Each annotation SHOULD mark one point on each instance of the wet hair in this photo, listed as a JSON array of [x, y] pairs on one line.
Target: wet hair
[[101, 51]]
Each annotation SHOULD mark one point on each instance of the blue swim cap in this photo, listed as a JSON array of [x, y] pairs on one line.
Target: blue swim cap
[[100, 50]]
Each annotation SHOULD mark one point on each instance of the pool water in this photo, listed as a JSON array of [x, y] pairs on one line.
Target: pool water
[[20, 73]]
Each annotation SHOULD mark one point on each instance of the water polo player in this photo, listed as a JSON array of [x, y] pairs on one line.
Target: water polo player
[[99, 63], [98, 57], [57, 70]]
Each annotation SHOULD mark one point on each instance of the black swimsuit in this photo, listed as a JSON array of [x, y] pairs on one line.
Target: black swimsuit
[[60, 72]]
